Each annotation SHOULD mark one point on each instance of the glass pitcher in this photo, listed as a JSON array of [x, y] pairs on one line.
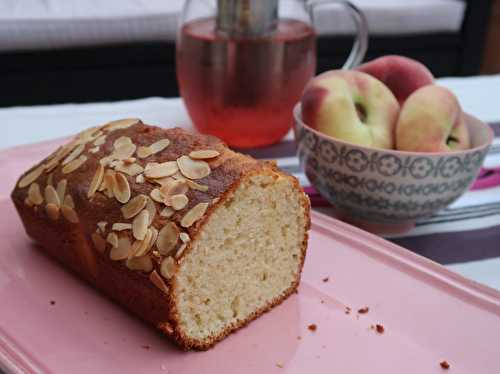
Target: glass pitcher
[[243, 64]]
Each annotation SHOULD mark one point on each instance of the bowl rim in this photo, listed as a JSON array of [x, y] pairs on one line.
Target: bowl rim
[[297, 114]]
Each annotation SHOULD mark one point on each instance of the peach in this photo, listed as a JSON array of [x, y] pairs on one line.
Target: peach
[[402, 75], [351, 106], [431, 120]]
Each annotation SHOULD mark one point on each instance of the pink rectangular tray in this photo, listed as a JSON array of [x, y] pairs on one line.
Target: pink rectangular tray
[[429, 314]]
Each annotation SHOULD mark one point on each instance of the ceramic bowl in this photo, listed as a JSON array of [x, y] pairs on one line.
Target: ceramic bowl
[[387, 190]]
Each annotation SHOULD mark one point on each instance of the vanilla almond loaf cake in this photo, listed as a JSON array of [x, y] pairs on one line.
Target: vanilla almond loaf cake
[[188, 235]]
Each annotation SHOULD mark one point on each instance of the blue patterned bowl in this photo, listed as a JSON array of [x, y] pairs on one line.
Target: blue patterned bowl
[[385, 188]]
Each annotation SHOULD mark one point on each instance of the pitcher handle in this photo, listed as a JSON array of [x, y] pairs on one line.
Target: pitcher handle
[[360, 45]]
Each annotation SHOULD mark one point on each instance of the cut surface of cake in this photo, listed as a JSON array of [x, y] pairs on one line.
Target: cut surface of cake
[[190, 236]]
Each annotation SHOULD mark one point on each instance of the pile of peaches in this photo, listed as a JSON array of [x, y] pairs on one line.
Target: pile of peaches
[[389, 103]]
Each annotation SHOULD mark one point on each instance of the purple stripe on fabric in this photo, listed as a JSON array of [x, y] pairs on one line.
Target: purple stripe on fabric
[[455, 247], [496, 128]]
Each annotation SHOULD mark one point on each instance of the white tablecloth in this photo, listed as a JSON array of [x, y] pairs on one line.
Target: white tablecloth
[[23, 125]]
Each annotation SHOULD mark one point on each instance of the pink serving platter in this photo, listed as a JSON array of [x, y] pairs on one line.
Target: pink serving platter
[[429, 314]]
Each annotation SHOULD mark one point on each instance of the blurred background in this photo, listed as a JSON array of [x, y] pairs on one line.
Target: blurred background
[[56, 51]]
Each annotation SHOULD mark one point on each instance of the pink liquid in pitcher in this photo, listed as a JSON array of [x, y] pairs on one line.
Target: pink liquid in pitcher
[[243, 89]]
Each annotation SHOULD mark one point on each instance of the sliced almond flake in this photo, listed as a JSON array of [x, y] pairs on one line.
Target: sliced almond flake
[[159, 146], [139, 179], [122, 251], [103, 186], [50, 179], [163, 181], [165, 169], [69, 213], [167, 267], [174, 187], [94, 150], [179, 176], [119, 226], [203, 154], [102, 226], [129, 160], [194, 214], [51, 196], [144, 247], [168, 237], [193, 169], [130, 169], [197, 186], [143, 152], [140, 225], [134, 206], [167, 212], [52, 164], [74, 154], [34, 194], [154, 237], [99, 242], [96, 181], [28, 202], [61, 189], [31, 176], [143, 263], [105, 161], [180, 251], [121, 189], [109, 193], [88, 135], [151, 208], [121, 124], [68, 200], [158, 281], [75, 164], [124, 151], [112, 239], [109, 181], [100, 140], [156, 195], [184, 237], [136, 246], [179, 201], [122, 140], [52, 211]]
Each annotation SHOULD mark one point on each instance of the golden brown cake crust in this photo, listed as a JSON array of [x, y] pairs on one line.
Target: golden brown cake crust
[[71, 243]]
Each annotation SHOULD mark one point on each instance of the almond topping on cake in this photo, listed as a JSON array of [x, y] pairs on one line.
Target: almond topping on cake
[[52, 211], [34, 194], [167, 238], [193, 169], [75, 164], [194, 214], [161, 170], [99, 242], [159, 146], [134, 206], [51, 196], [96, 181], [203, 154], [140, 225], [122, 251], [69, 213], [167, 267]]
